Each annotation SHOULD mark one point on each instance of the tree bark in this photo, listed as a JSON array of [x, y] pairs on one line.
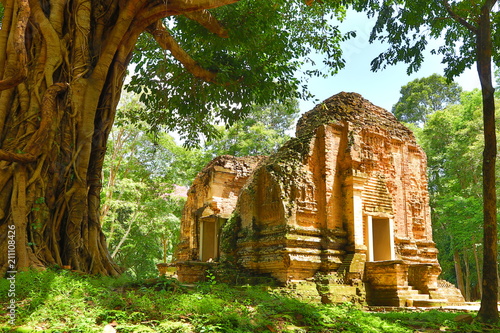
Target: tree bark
[[62, 67], [124, 237], [489, 308], [467, 278], [459, 271], [478, 270]]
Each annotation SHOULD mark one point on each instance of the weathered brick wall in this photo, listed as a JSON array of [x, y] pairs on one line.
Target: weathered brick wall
[[214, 192]]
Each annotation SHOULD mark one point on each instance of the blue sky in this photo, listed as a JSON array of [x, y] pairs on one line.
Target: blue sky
[[382, 87]]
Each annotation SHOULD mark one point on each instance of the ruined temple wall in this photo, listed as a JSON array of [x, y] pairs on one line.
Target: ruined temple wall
[[320, 202], [214, 192], [292, 210], [281, 228], [389, 172]]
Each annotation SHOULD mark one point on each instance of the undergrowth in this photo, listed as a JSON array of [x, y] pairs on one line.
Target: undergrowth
[[61, 301]]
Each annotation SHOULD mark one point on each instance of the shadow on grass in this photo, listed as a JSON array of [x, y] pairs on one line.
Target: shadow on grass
[[436, 321], [66, 302], [31, 292]]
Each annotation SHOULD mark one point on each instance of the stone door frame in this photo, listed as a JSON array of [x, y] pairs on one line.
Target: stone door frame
[[217, 223], [388, 238]]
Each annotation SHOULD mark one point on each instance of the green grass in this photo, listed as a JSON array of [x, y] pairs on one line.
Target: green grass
[[62, 301]]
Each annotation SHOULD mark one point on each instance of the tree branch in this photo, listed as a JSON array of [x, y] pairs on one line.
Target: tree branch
[[123, 239], [310, 2], [115, 38], [5, 32], [157, 9], [21, 158], [166, 41], [17, 68], [459, 18], [206, 19], [488, 4], [176, 7]]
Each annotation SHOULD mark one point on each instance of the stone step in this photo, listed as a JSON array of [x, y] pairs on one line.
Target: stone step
[[346, 263], [420, 297], [413, 291], [428, 303], [416, 294]]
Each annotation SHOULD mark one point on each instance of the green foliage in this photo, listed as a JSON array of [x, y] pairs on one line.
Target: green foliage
[[63, 301], [268, 42], [497, 82], [138, 215], [262, 132], [407, 27], [229, 235], [433, 321], [453, 141], [421, 97]]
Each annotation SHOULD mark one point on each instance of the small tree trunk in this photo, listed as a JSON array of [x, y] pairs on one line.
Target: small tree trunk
[[489, 307], [165, 249], [467, 278], [459, 272], [123, 239], [478, 270]]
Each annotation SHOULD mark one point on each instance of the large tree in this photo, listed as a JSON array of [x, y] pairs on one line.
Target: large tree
[[62, 67], [421, 97], [467, 30]]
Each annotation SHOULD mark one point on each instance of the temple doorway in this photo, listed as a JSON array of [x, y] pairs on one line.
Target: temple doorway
[[380, 239], [209, 238]]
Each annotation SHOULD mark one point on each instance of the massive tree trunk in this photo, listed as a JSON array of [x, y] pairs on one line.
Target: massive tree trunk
[[489, 308], [62, 66]]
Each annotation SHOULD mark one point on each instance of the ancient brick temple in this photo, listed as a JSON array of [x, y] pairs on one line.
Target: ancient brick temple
[[345, 202], [211, 202]]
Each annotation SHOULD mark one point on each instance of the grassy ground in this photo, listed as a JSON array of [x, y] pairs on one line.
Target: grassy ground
[[66, 302]]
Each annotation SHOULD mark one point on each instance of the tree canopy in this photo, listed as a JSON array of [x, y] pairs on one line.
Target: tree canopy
[[407, 26], [262, 132], [256, 62], [423, 96]]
